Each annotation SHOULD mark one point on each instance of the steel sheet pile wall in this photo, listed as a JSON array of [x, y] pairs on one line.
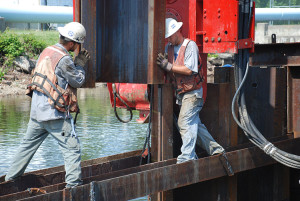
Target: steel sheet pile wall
[[124, 37]]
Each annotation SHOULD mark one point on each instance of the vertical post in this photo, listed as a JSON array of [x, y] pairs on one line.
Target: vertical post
[[293, 95], [156, 27], [77, 16], [162, 125], [162, 131], [89, 21]]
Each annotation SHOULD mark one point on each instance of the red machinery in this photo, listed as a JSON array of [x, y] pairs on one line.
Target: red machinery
[[135, 96], [198, 18]]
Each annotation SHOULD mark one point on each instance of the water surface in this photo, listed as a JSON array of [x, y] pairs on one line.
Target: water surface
[[100, 133]]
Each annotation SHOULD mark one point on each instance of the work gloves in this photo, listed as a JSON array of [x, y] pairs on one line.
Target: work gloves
[[162, 61], [82, 57]]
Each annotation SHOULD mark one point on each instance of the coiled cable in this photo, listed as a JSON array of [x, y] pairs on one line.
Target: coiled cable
[[245, 123]]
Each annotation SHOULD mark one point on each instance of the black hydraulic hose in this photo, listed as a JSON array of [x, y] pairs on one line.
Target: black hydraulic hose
[[285, 158], [148, 135], [78, 111], [116, 95], [246, 123], [243, 60], [247, 132], [241, 57]]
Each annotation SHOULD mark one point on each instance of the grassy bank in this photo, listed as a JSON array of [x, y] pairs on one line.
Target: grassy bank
[[47, 37], [14, 43]]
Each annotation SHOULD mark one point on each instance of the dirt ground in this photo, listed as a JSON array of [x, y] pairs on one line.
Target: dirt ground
[[14, 83]]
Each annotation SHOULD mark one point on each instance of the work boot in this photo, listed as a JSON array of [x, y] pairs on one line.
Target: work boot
[[224, 160]]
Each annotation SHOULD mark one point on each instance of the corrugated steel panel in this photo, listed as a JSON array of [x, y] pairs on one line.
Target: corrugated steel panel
[[124, 38]]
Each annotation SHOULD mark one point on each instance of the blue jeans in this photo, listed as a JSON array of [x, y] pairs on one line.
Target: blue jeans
[[36, 133], [192, 131]]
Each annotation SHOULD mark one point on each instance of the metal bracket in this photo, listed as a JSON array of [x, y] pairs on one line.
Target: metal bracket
[[245, 43]]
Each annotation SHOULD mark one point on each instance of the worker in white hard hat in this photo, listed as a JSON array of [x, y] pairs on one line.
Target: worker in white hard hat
[[53, 87], [182, 62]]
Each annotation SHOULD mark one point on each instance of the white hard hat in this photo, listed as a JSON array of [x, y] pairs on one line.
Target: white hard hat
[[73, 31], [172, 26]]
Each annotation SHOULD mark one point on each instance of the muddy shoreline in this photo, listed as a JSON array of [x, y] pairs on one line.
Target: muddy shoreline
[[14, 83]]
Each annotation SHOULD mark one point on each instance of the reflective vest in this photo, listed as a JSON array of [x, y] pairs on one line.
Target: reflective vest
[[184, 83], [44, 80]]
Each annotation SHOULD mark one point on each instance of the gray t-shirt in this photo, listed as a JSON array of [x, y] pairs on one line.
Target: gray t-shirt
[[67, 73], [191, 57]]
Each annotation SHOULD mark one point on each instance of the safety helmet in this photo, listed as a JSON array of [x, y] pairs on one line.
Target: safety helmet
[[172, 26], [73, 31]]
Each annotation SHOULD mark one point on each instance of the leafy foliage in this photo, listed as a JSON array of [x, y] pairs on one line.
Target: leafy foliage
[[14, 43], [10, 47], [32, 46], [2, 73]]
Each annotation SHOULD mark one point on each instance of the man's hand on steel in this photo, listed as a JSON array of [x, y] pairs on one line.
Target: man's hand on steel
[[162, 61], [82, 57]]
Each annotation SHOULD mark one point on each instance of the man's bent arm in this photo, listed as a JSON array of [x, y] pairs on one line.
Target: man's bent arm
[[180, 69]]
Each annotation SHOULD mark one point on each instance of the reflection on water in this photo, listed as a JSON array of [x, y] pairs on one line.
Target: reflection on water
[[100, 133]]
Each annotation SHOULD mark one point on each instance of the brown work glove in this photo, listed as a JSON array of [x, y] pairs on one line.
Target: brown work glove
[[162, 61], [82, 57]]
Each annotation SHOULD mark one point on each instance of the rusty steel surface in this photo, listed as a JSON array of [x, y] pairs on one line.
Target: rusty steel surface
[[276, 54], [90, 168], [129, 35], [109, 175], [162, 125], [294, 100], [89, 20], [267, 183], [296, 104], [124, 38], [31, 180], [265, 92], [160, 176], [216, 114], [266, 104], [83, 163]]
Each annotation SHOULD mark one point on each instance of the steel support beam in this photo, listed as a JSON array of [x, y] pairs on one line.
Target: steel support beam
[[162, 130], [279, 54], [169, 176], [88, 17], [83, 163], [90, 168], [293, 108]]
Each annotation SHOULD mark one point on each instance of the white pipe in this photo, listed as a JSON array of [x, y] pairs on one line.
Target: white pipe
[[60, 14], [267, 14], [37, 14]]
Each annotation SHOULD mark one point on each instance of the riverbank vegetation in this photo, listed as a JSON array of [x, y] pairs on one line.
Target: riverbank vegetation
[[14, 43]]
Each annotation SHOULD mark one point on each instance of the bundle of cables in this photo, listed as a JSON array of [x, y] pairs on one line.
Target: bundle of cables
[[241, 71]]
